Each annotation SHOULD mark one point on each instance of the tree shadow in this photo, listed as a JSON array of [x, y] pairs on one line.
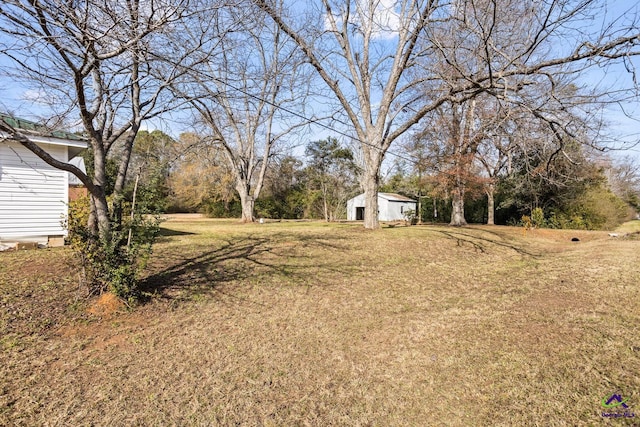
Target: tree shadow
[[166, 232], [200, 269], [480, 242], [285, 258]]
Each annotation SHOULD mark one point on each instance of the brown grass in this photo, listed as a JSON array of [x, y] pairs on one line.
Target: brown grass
[[316, 324]]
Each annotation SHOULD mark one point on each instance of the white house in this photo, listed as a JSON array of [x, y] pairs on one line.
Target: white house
[[33, 195], [391, 207]]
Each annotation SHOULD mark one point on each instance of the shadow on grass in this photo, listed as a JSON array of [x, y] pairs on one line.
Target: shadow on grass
[[201, 269], [166, 232], [481, 242]]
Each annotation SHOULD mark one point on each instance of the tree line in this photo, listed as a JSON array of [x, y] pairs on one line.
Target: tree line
[[580, 189]]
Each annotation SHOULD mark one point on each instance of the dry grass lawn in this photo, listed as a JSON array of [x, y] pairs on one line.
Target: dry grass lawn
[[314, 324]]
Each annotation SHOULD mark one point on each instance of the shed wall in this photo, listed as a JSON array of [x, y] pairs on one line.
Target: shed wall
[[388, 210], [393, 210], [352, 205]]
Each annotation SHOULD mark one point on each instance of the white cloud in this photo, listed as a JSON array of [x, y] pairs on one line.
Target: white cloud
[[35, 96], [385, 21]]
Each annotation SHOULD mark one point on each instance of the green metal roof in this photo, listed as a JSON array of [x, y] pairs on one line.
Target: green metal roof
[[39, 129]]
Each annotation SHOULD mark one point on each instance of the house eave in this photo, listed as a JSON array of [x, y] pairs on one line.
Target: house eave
[[75, 146]]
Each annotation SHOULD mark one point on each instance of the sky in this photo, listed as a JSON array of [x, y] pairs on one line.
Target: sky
[[624, 118], [625, 130]]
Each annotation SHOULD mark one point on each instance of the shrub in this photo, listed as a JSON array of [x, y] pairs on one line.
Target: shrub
[[112, 263], [596, 209], [600, 209], [410, 217], [77, 219], [219, 209], [537, 218]]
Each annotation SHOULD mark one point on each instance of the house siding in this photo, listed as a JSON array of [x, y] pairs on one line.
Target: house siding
[[33, 195]]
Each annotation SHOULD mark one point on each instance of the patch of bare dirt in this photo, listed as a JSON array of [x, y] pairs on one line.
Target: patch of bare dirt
[[106, 305]]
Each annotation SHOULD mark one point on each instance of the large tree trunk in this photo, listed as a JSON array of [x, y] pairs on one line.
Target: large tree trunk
[[371, 183], [457, 213], [490, 205], [247, 202], [247, 209], [371, 207]]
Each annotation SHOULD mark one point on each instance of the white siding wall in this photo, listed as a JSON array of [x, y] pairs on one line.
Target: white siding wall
[[33, 195], [393, 210], [352, 204], [388, 210]]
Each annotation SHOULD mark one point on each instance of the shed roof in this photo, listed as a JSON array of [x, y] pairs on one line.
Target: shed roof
[[394, 197]]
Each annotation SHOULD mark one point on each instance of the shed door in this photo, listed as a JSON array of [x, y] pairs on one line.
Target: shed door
[[360, 213]]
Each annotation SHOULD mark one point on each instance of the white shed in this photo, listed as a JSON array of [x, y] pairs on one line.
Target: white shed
[[34, 195], [391, 207]]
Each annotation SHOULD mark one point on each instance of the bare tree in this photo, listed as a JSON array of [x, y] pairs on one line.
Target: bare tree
[[244, 94], [99, 63], [451, 143], [624, 179], [374, 54], [494, 154]]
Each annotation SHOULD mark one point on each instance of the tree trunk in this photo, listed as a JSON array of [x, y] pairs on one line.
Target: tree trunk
[[102, 214], [98, 195], [457, 213], [435, 210], [121, 177], [92, 220], [371, 183], [325, 206], [247, 202], [490, 205]]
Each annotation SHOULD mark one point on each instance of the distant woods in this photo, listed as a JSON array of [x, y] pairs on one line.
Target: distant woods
[[577, 189], [486, 101]]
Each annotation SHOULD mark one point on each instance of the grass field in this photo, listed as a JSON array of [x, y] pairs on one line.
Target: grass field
[[328, 324]]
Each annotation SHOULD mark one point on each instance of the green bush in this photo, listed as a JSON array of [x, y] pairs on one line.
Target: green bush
[[112, 263], [537, 218], [596, 209], [219, 209], [602, 210], [269, 207]]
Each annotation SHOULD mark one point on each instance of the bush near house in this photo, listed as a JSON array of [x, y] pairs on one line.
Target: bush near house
[[112, 264]]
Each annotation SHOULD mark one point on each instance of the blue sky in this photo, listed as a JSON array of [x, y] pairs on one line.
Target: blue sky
[[625, 130]]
